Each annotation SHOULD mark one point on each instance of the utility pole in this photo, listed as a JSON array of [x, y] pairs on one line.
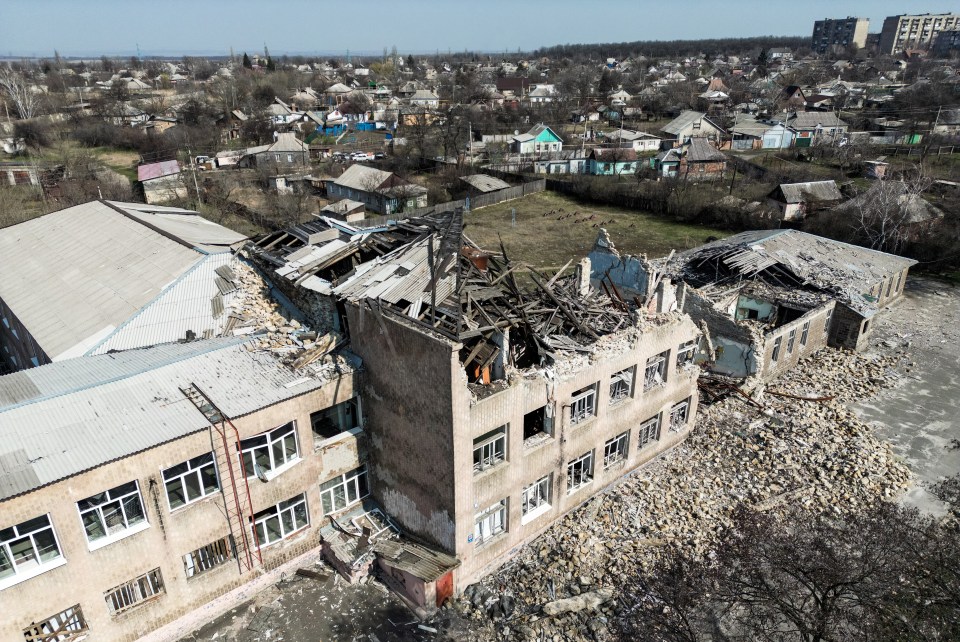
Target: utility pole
[[193, 168]]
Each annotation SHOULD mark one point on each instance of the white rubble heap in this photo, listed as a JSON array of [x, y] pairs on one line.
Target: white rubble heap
[[816, 454]]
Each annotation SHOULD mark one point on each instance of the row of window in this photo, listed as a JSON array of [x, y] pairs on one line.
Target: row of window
[[536, 498], [791, 340]]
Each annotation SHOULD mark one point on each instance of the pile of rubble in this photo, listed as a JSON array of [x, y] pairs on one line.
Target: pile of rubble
[[770, 450]]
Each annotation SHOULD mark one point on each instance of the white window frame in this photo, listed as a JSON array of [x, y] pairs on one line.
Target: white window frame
[[655, 371], [678, 411], [343, 410], [27, 532], [791, 340], [196, 468], [686, 353], [579, 472], [205, 558], [490, 449], [616, 450], [535, 499], [777, 343], [622, 384], [135, 592], [285, 513], [272, 438], [649, 431], [113, 495], [804, 334], [490, 522], [583, 404], [352, 490]]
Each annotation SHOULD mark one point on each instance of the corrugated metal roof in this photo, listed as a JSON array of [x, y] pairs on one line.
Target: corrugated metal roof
[[427, 564], [485, 182], [63, 418], [184, 305], [73, 276], [363, 178], [186, 226], [156, 170]]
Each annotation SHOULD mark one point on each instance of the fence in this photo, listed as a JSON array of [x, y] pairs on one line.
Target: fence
[[919, 151], [476, 202]]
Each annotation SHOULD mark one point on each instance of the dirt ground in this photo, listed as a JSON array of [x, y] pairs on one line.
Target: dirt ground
[[552, 228], [919, 416]]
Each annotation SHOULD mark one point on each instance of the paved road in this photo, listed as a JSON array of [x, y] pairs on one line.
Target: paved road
[[921, 416]]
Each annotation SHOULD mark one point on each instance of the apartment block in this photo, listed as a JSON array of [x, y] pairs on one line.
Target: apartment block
[[839, 32], [904, 32]]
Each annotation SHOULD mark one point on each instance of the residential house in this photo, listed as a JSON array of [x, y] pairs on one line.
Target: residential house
[[639, 141], [287, 151], [814, 128], [424, 98], [161, 181], [611, 161], [540, 140], [791, 98], [796, 201], [701, 160], [667, 163], [692, 124], [380, 191], [345, 210], [542, 94], [136, 275]]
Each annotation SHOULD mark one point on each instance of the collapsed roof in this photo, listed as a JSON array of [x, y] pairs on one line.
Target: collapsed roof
[[791, 259]]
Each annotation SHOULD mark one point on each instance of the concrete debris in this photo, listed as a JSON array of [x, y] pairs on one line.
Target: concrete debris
[[781, 450]]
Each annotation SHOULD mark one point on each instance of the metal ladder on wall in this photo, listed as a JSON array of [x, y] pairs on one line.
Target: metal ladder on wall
[[236, 499]]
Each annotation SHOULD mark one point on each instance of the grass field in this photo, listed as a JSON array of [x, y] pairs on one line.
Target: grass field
[[542, 241]]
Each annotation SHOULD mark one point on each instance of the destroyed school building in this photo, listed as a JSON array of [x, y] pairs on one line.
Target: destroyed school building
[[767, 299], [396, 397]]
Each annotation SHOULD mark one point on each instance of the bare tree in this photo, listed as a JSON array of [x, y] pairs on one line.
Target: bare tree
[[882, 217], [19, 92]]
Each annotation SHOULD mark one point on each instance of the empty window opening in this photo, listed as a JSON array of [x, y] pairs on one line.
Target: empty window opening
[[649, 431], [281, 521], [26, 549], [344, 490], [583, 404], [535, 498], [190, 481], [776, 349], [615, 450], [621, 384], [68, 624], [804, 334], [686, 354], [207, 557], [490, 449], [336, 419], [269, 451], [899, 280], [791, 339], [889, 287], [580, 472], [537, 426], [655, 373], [679, 415], [490, 522], [136, 591], [826, 324], [112, 512]]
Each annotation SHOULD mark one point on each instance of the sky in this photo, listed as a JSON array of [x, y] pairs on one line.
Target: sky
[[212, 27]]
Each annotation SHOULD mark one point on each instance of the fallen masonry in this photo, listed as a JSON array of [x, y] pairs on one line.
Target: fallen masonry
[[780, 451]]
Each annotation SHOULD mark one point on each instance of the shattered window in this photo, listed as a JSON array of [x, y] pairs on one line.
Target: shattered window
[[336, 419], [580, 472], [621, 384], [191, 480], [68, 624], [685, 354], [826, 324], [776, 349], [137, 590], [344, 490], [615, 450], [270, 450], [649, 431], [655, 373], [536, 497], [804, 334], [583, 405], [490, 449], [537, 425], [490, 522], [791, 339], [112, 512], [207, 557], [899, 279], [679, 415]]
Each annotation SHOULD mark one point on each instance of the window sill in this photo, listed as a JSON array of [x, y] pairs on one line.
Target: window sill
[[329, 441], [32, 573], [536, 441], [532, 515], [276, 472], [116, 537], [199, 500], [574, 491], [477, 474], [294, 535], [584, 422], [487, 543]]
